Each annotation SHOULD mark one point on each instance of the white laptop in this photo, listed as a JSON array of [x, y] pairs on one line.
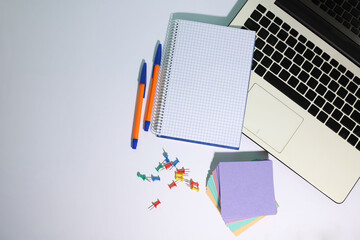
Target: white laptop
[[304, 95]]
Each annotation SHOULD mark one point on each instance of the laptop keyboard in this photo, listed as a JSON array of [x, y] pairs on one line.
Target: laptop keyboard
[[306, 74], [346, 12]]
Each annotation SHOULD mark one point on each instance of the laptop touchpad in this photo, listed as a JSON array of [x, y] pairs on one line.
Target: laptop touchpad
[[269, 119]]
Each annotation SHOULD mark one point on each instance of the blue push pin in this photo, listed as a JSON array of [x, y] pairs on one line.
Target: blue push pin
[[155, 178], [174, 163], [166, 156]]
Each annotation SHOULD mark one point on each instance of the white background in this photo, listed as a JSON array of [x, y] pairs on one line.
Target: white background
[[68, 86]]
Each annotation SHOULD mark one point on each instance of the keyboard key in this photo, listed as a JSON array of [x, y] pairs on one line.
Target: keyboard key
[[303, 39], [275, 68], [342, 69], [298, 59], [294, 69], [344, 133], [250, 24], [357, 105], [261, 8], [263, 33], [293, 81], [351, 87], [352, 139], [322, 117], [270, 15], [266, 62], [333, 125], [274, 28], [282, 35], [303, 76], [272, 40], [326, 67], [310, 44], [285, 89], [357, 80], [321, 89], [312, 83], [302, 88], [342, 92], [284, 75], [335, 74], [318, 50], [291, 41], [357, 131], [309, 54], [338, 102], [280, 46], [285, 63], [277, 56], [300, 48], [325, 56], [307, 66], [347, 109], [344, 80], [310, 94], [347, 122], [350, 99], [328, 108], [286, 26], [313, 110], [330, 96], [278, 20], [334, 62], [258, 55], [289, 53], [294, 32], [337, 114], [260, 70], [333, 85], [268, 50], [264, 21], [256, 15], [349, 74], [315, 73], [317, 61], [358, 93], [259, 43], [319, 101]]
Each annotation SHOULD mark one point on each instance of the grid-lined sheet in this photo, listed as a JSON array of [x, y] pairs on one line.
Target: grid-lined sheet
[[208, 83]]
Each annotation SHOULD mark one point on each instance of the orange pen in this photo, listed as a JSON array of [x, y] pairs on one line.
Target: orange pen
[[141, 96], [152, 88]]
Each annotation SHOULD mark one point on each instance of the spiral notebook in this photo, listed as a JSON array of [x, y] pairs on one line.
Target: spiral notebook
[[203, 82]]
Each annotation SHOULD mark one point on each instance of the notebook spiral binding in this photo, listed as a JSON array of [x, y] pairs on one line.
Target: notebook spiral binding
[[163, 82]]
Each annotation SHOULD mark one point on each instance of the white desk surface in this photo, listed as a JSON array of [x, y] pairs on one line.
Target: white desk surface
[[68, 83]]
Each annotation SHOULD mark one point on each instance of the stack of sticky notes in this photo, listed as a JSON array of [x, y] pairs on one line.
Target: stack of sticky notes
[[243, 192]]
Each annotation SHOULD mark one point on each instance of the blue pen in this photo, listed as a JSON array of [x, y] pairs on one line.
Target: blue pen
[[141, 96], [155, 74]]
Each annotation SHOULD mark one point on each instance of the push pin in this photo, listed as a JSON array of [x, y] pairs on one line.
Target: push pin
[[179, 178], [182, 171], [168, 166], [154, 205], [191, 183], [174, 163], [179, 175], [195, 188], [159, 167], [165, 154], [155, 178], [143, 177], [172, 184]]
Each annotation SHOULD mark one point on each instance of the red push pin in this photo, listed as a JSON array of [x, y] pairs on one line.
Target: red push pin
[[168, 166], [154, 205], [172, 184]]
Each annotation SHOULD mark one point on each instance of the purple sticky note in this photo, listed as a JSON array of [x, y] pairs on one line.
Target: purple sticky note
[[246, 190]]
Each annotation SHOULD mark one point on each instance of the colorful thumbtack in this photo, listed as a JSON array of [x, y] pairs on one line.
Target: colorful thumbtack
[[174, 163], [195, 189], [159, 167], [155, 178], [168, 166], [154, 204], [165, 154], [182, 171], [143, 177], [172, 184]]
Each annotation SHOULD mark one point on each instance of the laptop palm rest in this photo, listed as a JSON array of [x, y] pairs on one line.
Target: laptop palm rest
[[269, 119]]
